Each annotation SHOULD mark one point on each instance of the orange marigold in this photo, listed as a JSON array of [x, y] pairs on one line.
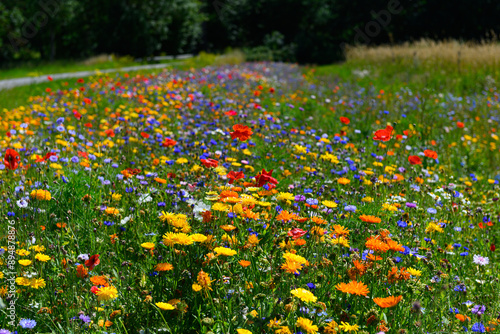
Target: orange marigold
[[354, 288], [395, 275], [164, 267], [390, 301], [370, 219], [99, 280], [286, 216], [395, 246], [376, 245]]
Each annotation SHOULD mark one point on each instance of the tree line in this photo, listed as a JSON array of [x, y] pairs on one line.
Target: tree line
[[307, 31]]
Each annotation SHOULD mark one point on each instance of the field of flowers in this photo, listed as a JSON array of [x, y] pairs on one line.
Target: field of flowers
[[256, 198]]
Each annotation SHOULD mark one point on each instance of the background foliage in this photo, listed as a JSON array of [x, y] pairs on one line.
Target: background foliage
[[307, 31]]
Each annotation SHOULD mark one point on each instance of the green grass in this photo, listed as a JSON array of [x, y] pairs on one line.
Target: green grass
[[394, 75]]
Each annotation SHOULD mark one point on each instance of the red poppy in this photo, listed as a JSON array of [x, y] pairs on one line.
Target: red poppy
[[384, 134], [296, 233], [209, 162], [94, 289], [110, 133], [480, 225], [86, 100], [88, 125], [460, 125], [233, 176], [241, 132], [144, 135], [83, 154], [77, 114], [271, 90], [231, 113], [92, 262], [345, 120], [492, 247], [11, 159], [265, 177], [414, 160], [431, 154], [50, 78], [168, 142], [80, 80]]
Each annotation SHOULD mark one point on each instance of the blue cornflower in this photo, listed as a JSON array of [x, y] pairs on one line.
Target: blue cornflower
[[27, 323]]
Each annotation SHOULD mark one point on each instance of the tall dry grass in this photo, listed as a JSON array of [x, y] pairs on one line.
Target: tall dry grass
[[428, 53]]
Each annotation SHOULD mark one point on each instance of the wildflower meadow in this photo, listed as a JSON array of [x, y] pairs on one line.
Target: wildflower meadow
[[253, 198]]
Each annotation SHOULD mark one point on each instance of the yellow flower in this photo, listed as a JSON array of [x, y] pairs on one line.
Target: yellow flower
[[36, 283], [367, 199], [148, 245], [198, 237], [254, 313], [306, 325], [243, 331], [41, 194], [225, 251], [196, 287], [304, 295], [171, 239], [433, 227], [346, 327], [107, 293], [116, 197], [42, 257], [414, 272], [165, 306], [23, 281], [22, 252], [24, 262], [329, 204], [285, 197]]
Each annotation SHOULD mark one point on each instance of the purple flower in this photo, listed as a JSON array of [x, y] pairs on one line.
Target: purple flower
[[411, 205], [84, 318], [300, 198], [4, 331], [478, 327], [478, 309], [350, 208]]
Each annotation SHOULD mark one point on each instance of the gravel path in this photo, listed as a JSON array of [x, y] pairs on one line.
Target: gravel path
[[10, 83]]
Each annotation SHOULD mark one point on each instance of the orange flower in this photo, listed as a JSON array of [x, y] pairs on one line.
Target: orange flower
[[354, 288], [159, 180], [462, 317], [394, 275], [241, 132], [244, 263], [81, 271], [99, 280], [286, 216], [376, 245], [340, 230], [370, 219], [164, 267], [388, 301], [395, 246], [372, 257]]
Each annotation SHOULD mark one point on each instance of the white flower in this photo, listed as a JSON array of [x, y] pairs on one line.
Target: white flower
[[481, 260], [125, 220]]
